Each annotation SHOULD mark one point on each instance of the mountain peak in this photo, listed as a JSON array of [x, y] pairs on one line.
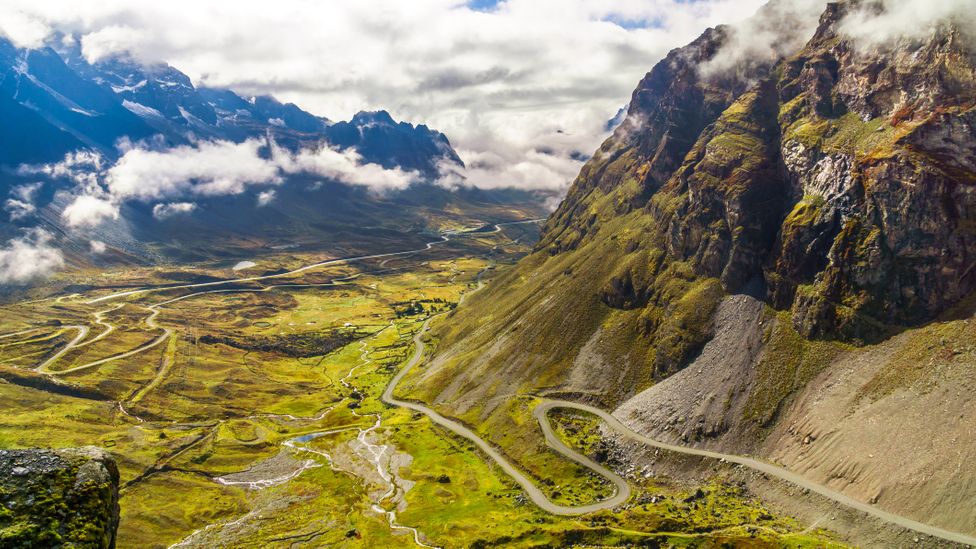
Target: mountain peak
[[373, 117], [86, 104]]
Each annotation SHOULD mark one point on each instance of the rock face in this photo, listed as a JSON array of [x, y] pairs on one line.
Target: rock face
[[834, 180], [58, 498], [843, 176]]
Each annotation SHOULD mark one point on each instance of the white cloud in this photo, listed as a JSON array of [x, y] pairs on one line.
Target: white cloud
[[777, 30], [168, 210], [21, 202], [219, 168], [206, 168], [209, 168], [81, 167], [22, 28], [505, 81], [88, 211], [781, 28], [97, 247], [343, 166], [536, 171], [266, 197], [29, 257], [18, 209], [907, 19]]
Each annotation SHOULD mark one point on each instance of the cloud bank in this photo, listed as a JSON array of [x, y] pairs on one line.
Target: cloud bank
[[502, 82], [209, 168], [907, 19], [168, 177]]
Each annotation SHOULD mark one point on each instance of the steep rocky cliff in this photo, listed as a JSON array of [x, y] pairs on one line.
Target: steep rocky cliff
[[837, 182], [830, 187], [842, 177], [58, 498]]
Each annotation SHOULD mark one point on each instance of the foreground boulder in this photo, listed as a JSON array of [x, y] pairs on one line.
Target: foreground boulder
[[58, 498]]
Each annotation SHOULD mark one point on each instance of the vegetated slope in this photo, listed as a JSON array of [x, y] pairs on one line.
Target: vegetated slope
[[834, 190]]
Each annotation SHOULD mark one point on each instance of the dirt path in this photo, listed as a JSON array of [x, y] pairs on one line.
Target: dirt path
[[444, 238], [761, 466], [82, 334]]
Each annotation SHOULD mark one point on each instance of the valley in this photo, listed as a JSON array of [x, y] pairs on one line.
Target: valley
[[740, 312], [252, 411]]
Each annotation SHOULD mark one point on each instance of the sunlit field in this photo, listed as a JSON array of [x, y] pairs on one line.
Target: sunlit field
[[248, 414]]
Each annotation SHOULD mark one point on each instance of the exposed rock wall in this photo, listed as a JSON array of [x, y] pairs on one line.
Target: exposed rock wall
[[843, 176]]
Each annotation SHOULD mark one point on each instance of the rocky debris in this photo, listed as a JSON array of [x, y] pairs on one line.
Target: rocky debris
[[58, 498], [701, 402]]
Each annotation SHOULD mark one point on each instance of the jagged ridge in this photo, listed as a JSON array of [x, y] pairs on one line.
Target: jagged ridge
[[836, 183]]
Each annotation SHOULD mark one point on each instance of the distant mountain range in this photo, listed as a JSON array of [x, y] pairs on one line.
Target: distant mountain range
[[55, 102]]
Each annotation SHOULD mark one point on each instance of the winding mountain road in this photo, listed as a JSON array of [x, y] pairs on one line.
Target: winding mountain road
[[82, 334], [167, 332], [534, 493], [443, 238], [756, 465], [623, 489]]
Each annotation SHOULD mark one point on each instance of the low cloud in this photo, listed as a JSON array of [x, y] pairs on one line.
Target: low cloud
[[266, 197], [80, 167], [539, 171], [344, 166], [97, 247], [221, 168], [205, 169], [170, 209], [781, 28], [208, 168], [21, 205], [88, 211], [778, 29], [28, 258], [878, 24]]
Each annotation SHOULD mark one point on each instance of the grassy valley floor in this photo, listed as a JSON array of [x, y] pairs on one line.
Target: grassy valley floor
[[249, 414]]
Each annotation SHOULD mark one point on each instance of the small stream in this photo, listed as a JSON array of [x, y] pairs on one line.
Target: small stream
[[380, 456]]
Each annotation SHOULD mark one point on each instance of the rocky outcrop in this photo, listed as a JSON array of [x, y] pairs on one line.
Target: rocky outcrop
[[58, 498], [843, 176]]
